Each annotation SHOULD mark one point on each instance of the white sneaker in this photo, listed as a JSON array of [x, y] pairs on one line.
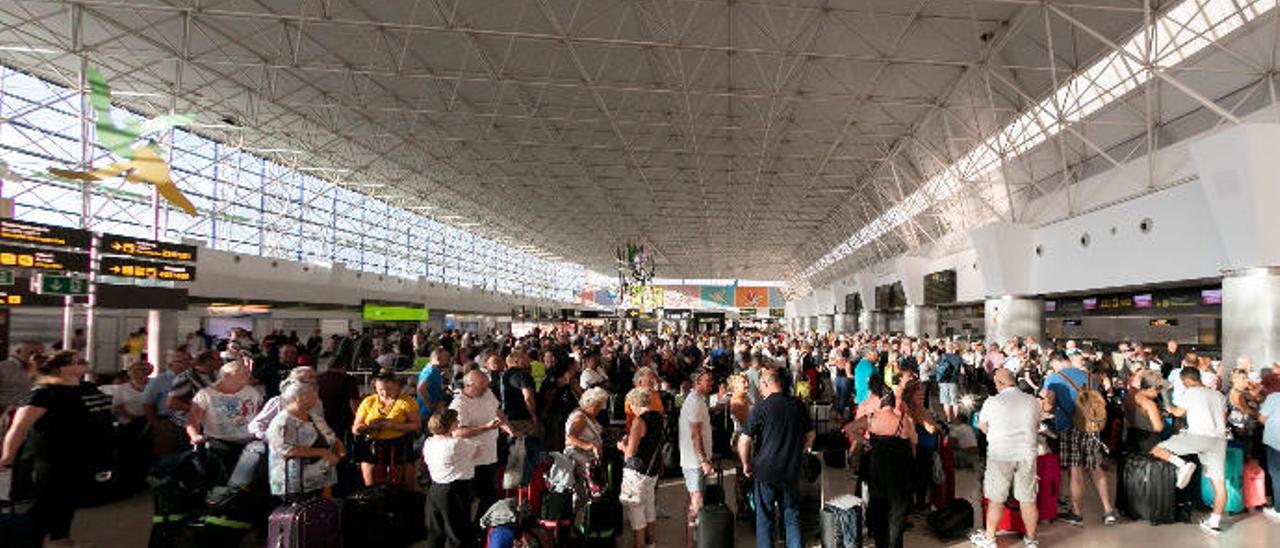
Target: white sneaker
[[1030, 543], [1184, 474], [980, 539], [1213, 530], [1271, 514]]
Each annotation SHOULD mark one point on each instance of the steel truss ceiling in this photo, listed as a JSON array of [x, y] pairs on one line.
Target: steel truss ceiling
[[743, 138]]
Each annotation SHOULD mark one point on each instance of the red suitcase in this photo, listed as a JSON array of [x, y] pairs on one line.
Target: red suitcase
[[1010, 520], [1255, 484], [1049, 470], [941, 495]]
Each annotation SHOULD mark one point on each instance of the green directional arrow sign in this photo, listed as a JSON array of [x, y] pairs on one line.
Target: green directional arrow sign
[[6, 277], [63, 285]]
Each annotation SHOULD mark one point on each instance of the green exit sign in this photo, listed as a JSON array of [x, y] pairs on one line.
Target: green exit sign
[[63, 285], [6, 277]]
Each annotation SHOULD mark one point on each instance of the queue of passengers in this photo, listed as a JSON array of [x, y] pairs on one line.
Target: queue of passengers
[[455, 415]]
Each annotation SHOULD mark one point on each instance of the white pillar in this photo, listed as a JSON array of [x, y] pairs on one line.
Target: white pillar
[[1240, 175], [1009, 317], [920, 321], [162, 335]]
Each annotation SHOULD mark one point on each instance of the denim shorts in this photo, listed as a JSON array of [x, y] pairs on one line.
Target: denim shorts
[[694, 480]]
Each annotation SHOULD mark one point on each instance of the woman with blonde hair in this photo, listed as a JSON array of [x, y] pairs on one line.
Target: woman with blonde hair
[[739, 410], [640, 450]]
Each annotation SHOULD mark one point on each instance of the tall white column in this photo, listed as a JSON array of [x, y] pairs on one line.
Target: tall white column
[[162, 335], [1009, 317], [1240, 176]]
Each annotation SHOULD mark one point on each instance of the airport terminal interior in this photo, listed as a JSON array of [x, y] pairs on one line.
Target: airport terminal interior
[[639, 273]]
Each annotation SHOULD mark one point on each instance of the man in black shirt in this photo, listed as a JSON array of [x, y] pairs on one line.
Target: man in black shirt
[[1170, 358], [780, 429]]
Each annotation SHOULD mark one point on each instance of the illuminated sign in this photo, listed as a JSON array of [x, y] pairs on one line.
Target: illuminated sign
[[27, 257], [746, 312], [148, 249], [1163, 322], [394, 313], [130, 268], [36, 233], [777, 312]]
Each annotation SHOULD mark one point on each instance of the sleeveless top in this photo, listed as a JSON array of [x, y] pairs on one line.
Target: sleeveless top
[[591, 433], [645, 460], [1137, 417]]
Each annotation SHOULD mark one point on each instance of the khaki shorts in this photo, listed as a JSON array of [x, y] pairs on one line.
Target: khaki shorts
[[1020, 475]]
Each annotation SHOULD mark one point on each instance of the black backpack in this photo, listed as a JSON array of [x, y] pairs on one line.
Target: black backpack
[[952, 521]]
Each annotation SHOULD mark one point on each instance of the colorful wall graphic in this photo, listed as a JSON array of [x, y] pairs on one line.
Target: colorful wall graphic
[[717, 296], [683, 296], [751, 297]]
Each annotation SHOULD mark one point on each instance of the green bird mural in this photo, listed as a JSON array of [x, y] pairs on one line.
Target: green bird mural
[[141, 163]]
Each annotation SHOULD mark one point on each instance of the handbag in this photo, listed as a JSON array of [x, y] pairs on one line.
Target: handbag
[[633, 481]]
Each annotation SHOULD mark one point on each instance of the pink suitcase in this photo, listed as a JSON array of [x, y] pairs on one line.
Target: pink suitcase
[[1049, 469], [1255, 484]]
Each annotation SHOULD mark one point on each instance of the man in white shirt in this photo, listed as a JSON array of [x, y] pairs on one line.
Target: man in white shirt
[[695, 444], [479, 419], [1205, 436], [1010, 420]]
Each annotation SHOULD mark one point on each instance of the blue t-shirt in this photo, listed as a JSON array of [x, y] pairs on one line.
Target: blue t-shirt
[[435, 388], [1271, 430], [949, 368], [157, 392], [1064, 395], [861, 377]]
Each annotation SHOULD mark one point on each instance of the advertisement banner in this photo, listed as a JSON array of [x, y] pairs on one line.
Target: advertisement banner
[[717, 296], [605, 297], [775, 298], [682, 296], [751, 297]]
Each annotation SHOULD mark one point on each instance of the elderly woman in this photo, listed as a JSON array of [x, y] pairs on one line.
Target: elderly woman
[[583, 438], [299, 439], [248, 467], [647, 379], [220, 413], [640, 450], [64, 426], [389, 419]]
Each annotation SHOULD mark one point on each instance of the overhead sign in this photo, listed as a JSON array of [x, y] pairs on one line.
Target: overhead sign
[[777, 312], [377, 312], [149, 249], [35, 233], [40, 259], [134, 297], [21, 294], [6, 277], [146, 270], [746, 312], [60, 285]]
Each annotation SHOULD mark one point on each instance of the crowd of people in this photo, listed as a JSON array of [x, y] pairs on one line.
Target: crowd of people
[[588, 419]]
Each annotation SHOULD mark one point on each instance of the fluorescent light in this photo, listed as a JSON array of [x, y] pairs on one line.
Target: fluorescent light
[[1181, 33]]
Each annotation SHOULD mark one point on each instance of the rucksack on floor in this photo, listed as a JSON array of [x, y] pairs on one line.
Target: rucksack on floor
[[1091, 407]]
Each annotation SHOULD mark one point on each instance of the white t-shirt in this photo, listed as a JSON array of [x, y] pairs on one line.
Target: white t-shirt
[[1013, 364], [450, 459], [694, 410], [1013, 419], [227, 416], [129, 397], [1206, 411], [1175, 380], [479, 411]]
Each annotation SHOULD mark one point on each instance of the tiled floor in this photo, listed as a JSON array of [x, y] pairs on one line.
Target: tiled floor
[[126, 524]]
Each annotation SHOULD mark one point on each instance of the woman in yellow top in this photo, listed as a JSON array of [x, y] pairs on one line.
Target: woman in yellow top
[[388, 420]]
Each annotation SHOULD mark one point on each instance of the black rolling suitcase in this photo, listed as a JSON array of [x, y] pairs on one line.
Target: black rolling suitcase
[[1150, 490], [714, 524]]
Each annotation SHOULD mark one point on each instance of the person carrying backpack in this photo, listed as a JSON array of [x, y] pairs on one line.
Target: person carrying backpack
[[1079, 415]]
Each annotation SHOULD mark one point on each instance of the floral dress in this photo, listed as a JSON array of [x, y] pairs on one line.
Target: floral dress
[[287, 433]]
